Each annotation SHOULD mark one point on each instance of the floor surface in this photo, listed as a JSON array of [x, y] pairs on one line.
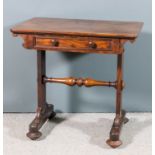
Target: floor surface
[[77, 134]]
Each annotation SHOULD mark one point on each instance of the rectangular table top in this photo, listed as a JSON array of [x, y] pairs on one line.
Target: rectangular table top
[[78, 27]]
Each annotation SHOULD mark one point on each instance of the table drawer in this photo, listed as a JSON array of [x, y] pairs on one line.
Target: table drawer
[[76, 44]]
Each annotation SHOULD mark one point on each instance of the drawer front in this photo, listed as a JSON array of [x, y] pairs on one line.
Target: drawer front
[[76, 44]]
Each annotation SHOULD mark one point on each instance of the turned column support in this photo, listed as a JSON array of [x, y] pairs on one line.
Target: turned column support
[[88, 82]]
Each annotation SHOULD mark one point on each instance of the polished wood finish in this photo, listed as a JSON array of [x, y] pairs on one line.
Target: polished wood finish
[[74, 35], [119, 120], [44, 110], [78, 27], [78, 44], [88, 82]]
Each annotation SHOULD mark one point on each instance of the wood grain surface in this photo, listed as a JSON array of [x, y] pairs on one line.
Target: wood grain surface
[[79, 27]]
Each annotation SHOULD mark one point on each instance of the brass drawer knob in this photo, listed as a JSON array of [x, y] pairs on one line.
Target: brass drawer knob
[[55, 43], [92, 45]]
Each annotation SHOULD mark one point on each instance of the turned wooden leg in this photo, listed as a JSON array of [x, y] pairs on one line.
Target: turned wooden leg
[[120, 118], [44, 110]]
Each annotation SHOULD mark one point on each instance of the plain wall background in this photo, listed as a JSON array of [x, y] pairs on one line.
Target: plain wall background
[[20, 64]]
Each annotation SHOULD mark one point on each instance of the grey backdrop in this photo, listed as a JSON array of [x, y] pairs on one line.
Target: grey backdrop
[[20, 64]]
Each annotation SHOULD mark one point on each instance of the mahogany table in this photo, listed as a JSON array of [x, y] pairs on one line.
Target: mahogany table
[[74, 35]]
